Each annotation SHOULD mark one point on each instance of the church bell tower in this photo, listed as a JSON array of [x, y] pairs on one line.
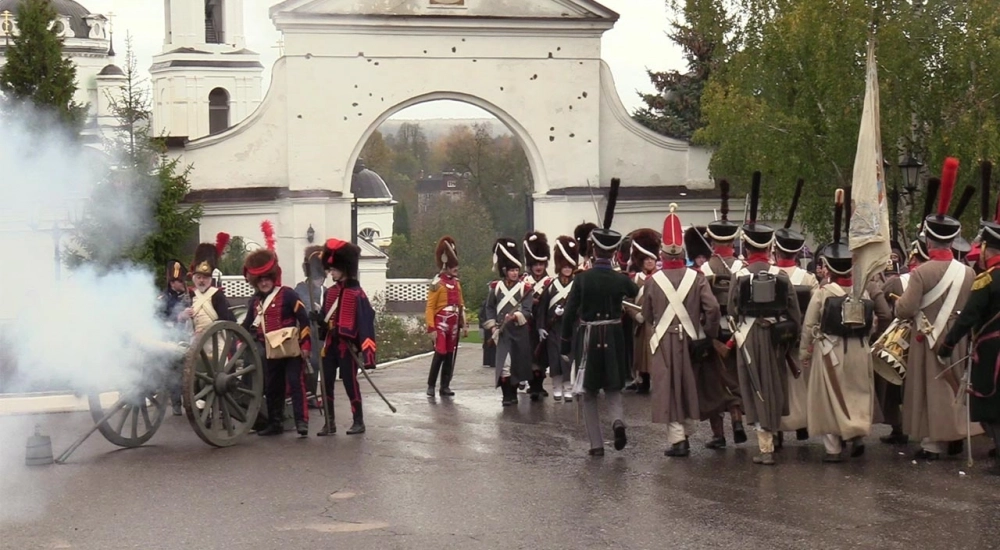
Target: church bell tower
[[204, 79]]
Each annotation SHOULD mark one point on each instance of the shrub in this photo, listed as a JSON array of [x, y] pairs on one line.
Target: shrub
[[394, 338]]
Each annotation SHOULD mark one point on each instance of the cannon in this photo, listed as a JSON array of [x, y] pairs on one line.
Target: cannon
[[222, 386]]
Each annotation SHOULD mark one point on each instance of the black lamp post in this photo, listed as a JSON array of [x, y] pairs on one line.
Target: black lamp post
[[310, 234], [910, 167]]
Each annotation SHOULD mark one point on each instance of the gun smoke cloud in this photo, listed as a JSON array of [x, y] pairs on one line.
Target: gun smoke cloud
[[82, 330]]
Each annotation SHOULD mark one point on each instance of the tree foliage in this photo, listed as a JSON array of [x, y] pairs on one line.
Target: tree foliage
[[137, 214], [35, 69], [788, 102], [675, 109]]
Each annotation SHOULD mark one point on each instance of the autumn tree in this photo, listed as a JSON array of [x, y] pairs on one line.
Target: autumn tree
[[788, 102], [675, 109]]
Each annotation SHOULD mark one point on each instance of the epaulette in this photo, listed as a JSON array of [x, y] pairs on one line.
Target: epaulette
[[493, 284], [435, 283], [528, 287], [983, 280]]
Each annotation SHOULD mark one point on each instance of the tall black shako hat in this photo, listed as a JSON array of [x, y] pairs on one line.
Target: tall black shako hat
[[787, 239], [919, 246], [723, 230], [837, 254], [960, 247], [941, 227], [756, 235], [176, 271], [604, 238], [505, 255], [989, 224]]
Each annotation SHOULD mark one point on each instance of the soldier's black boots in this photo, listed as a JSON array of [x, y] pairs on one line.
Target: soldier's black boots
[[644, 385], [272, 429], [302, 428], [432, 378], [739, 434], [536, 387], [802, 434], [716, 443], [509, 393], [329, 428], [620, 439], [779, 440], [359, 421], [447, 371], [897, 437], [682, 448]]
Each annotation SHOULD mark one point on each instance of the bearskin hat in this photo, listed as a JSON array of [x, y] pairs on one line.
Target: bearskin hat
[[312, 262], [176, 271], [582, 234], [536, 248], [263, 262], [206, 255], [645, 244], [342, 256], [505, 255], [624, 255], [446, 253], [566, 253]]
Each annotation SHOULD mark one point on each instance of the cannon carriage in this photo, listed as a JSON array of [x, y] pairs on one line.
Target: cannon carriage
[[222, 386]]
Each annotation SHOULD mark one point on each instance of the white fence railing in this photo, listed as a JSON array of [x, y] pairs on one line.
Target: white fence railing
[[396, 290], [406, 290]]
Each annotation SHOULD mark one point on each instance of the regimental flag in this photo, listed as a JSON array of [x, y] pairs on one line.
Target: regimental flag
[[869, 234]]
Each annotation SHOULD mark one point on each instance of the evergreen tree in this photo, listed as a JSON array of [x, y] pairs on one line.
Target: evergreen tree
[[137, 214], [401, 220], [675, 109], [36, 70]]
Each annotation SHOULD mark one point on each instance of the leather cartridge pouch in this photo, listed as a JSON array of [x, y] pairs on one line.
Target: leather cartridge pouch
[[784, 333], [702, 349], [721, 349], [282, 343]]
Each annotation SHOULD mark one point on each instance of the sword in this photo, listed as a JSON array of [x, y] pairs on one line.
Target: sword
[[359, 363], [834, 381], [751, 374]]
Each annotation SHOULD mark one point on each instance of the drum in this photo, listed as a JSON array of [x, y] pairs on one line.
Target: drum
[[891, 350]]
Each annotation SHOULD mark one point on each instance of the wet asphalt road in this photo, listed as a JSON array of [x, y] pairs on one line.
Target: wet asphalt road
[[467, 474]]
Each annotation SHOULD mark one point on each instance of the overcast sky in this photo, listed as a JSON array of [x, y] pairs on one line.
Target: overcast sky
[[637, 42]]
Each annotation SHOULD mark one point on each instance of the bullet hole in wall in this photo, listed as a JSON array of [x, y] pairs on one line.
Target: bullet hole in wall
[[475, 60], [309, 56], [454, 49], [463, 40], [300, 116], [550, 55], [368, 60], [359, 114], [552, 138], [369, 94], [425, 51], [501, 88], [570, 107], [361, 54], [552, 128], [572, 135], [376, 63], [584, 95], [558, 48], [354, 104], [588, 141], [533, 77], [355, 86], [345, 118]]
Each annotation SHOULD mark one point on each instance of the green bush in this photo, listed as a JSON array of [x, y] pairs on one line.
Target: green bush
[[394, 338]]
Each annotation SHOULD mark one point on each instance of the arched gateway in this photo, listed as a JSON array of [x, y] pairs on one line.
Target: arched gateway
[[348, 65]]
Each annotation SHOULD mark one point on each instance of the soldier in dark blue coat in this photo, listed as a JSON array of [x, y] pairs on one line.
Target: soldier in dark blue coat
[[171, 303]]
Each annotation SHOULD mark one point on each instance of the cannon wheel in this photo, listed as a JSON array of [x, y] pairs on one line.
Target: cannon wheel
[[223, 384], [136, 420]]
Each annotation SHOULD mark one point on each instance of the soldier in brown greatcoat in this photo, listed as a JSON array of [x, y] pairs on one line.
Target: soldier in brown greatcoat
[[675, 300]]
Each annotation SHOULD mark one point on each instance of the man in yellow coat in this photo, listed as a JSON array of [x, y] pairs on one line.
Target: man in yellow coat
[[445, 314]]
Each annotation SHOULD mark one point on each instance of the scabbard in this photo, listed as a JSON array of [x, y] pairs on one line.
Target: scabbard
[[835, 384]]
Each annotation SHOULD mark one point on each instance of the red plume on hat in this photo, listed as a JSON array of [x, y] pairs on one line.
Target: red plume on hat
[[263, 262], [673, 235]]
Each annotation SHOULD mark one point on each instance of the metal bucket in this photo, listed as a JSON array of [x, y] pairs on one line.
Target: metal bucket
[[38, 451]]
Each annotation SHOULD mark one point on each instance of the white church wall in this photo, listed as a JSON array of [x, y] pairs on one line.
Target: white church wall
[[181, 106], [377, 217]]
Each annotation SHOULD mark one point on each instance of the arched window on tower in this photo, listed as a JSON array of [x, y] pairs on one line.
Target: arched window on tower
[[218, 111], [214, 22]]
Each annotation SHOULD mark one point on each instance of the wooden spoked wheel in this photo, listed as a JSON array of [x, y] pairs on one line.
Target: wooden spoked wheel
[[136, 415], [223, 383]]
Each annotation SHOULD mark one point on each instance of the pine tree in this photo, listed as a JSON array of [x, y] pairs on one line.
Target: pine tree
[[36, 70], [145, 181], [675, 110]]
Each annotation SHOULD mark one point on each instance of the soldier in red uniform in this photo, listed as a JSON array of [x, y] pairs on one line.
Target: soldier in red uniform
[[272, 309], [445, 315], [349, 326]]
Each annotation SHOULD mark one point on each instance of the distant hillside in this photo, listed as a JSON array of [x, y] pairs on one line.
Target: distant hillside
[[438, 128]]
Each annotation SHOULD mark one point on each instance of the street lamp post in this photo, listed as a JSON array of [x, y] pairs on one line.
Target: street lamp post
[[910, 168]]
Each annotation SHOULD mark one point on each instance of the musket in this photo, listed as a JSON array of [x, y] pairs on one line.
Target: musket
[[751, 374], [314, 334]]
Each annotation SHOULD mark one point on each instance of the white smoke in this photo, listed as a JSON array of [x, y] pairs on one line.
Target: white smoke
[[80, 330]]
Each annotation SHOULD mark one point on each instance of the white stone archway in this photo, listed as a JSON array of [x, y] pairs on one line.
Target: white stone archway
[[534, 156], [348, 65]]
